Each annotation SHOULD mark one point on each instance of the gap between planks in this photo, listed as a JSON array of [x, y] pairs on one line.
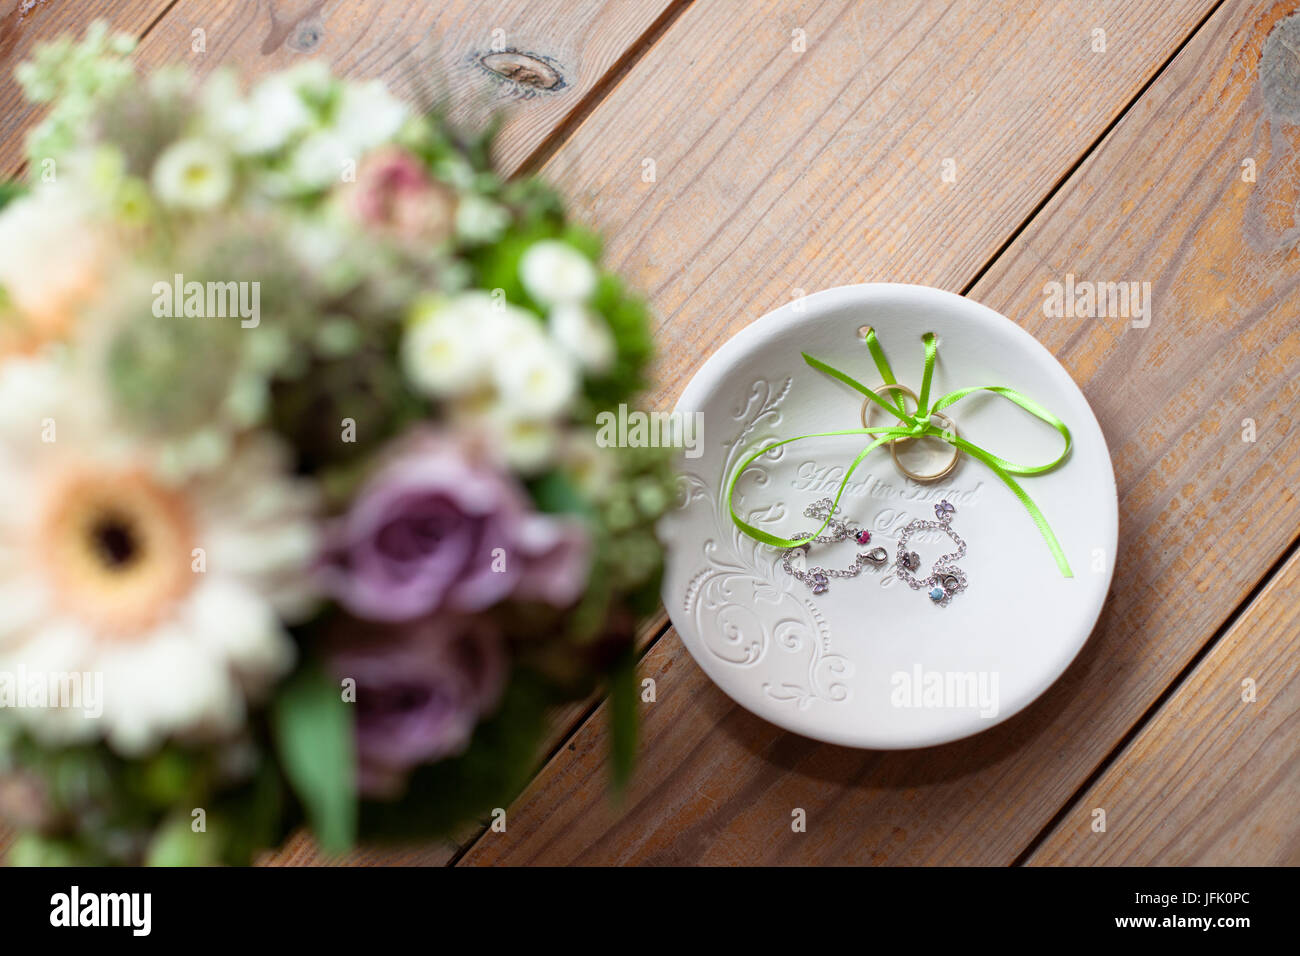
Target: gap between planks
[[588, 710], [602, 88], [1238, 614]]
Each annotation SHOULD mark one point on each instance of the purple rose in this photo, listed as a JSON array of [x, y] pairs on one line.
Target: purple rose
[[421, 689], [436, 530]]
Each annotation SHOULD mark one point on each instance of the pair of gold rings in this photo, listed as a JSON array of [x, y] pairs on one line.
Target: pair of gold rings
[[949, 426]]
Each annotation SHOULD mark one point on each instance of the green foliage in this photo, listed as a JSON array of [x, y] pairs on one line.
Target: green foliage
[[313, 733], [629, 321], [623, 718], [10, 190]]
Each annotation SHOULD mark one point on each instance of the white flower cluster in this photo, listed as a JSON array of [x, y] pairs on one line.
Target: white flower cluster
[[297, 132], [498, 363]]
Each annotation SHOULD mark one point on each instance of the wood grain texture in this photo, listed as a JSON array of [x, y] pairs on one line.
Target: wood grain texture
[[537, 59], [1212, 779], [777, 172], [23, 26], [1203, 514]]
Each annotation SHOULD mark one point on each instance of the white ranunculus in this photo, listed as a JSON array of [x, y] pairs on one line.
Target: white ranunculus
[[367, 115], [555, 273], [193, 174], [593, 468], [318, 162], [441, 355], [479, 219], [526, 444], [585, 335], [450, 344], [273, 115], [535, 379]]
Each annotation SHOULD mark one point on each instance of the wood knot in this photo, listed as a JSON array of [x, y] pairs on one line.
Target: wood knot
[[306, 35], [529, 74]]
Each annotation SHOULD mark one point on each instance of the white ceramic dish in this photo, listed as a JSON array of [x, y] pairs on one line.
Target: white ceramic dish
[[872, 663]]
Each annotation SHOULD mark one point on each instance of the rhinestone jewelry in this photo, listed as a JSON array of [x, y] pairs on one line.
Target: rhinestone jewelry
[[945, 579], [818, 578]]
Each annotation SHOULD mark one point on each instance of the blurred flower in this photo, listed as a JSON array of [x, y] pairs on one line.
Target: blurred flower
[[272, 115], [193, 174], [99, 571], [75, 77], [451, 344], [366, 115], [394, 193], [479, 219], [592, 466], [315, 163], [535, 379], [585, 335], [24, 800], [54, 258], [436, 530], [555, 273], [421, 689], [526, 444]]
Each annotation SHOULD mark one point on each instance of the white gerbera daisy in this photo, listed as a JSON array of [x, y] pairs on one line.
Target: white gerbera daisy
[[193, 174], [173, 592], [555, 273]]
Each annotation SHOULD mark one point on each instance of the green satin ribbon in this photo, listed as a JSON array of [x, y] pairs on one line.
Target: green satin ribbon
[[915, 425]]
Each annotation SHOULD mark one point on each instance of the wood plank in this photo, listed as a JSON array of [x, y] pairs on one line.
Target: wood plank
[[1212, 780], [1204, 514], [778, 171], [24, 24], [536, 58]]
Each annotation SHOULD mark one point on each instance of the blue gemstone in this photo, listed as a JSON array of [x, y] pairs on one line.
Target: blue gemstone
[[936, 594]]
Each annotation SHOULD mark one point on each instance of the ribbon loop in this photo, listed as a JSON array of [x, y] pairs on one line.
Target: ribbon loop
[[917, 424]]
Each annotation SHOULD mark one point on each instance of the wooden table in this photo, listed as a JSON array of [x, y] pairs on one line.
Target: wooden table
[[988, 147]]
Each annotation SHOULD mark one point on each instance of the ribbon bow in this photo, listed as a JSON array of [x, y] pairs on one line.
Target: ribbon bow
[[914, 425]]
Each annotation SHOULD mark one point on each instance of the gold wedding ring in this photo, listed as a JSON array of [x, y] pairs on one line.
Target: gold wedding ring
[[884, 390], [949, 426]]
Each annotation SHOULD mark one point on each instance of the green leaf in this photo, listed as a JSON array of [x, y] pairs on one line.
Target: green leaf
[[623, 699], [554, 493], [176, 844], [10, 189], [313, 735]]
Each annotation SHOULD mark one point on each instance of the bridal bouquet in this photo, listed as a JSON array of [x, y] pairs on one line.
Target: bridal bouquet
[[305, 516]]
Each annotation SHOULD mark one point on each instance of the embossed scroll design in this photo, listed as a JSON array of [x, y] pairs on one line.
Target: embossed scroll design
[[729, 598]]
